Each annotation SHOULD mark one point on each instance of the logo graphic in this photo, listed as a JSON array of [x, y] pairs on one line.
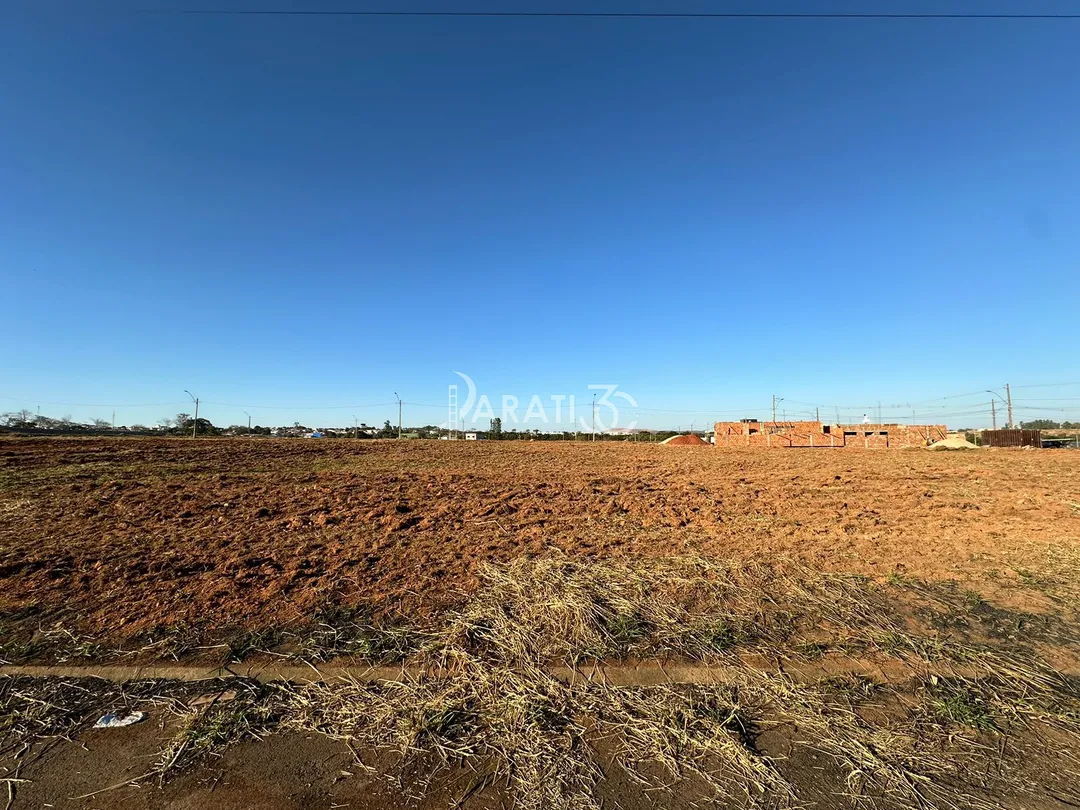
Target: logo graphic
[[610, 391]]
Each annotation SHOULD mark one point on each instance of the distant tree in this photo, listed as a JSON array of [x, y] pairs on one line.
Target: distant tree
[[184, 422], [101, 424], [387, 431], [1039, 424], [495, 431], [19, 419], [206, 428]]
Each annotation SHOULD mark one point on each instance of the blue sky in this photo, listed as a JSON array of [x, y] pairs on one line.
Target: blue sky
[[302, 212]]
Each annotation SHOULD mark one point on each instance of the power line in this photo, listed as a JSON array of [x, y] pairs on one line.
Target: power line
[[1048, 385], [1032, 408], [927, 404], [904, 405], [683, 15]]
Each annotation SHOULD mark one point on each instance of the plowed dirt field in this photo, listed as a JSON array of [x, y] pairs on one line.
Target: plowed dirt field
[[118, 536]]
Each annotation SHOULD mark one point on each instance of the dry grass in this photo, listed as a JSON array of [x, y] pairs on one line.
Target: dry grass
[[490, 700], [496, 706], [706, 731], [517, 725], [341, 631], [566, 610], [40, 710], [891, 759]]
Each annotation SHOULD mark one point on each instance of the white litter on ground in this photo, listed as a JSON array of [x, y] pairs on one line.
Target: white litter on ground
[[111, 720]]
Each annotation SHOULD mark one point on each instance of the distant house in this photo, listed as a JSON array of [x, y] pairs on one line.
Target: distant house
[[290, 431], [471, 437]]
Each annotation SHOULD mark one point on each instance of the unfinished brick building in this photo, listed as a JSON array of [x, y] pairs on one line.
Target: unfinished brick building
[[749, 433]]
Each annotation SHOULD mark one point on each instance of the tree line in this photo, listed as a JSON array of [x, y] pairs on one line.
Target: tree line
[[182, 424], [1049, 424]]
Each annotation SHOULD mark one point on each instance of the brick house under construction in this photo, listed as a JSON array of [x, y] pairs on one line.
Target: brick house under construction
[[750, 433]]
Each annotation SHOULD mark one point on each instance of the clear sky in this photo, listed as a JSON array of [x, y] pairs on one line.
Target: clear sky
[[298, 212]]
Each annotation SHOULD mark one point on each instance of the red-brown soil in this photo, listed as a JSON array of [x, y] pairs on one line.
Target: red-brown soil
[[116, 536], [688, 439]]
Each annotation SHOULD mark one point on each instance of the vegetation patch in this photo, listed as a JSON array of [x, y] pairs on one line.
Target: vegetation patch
[[483, 689], [248, 713], [965, 708], [345, 631]]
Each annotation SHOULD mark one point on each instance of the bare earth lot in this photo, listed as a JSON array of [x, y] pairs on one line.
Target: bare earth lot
[[119, 536], [777, 629]]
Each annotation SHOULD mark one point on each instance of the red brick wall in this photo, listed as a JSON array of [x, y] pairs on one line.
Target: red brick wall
[[812, 434]]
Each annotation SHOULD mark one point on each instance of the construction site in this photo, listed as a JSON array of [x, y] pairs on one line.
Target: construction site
[[752, 433]]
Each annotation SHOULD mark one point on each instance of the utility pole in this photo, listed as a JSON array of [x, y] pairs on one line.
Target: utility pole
[[355, 428], [817, 414], [114, 419], [1008, 397], [594, 417], [398, 414], [774, 401], [195, 421], [993, 413], [838, 414]]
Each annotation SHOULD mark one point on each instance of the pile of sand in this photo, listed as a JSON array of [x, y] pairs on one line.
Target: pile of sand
[[954, 443], [689, 438]]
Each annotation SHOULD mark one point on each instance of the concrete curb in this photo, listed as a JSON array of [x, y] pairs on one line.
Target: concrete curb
[[630, 673]]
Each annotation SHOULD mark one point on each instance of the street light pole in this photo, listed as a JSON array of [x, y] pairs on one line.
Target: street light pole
[[248, 415], [1005, 402], [775, 399], [195, 421], [398, 414], [355, 428]]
